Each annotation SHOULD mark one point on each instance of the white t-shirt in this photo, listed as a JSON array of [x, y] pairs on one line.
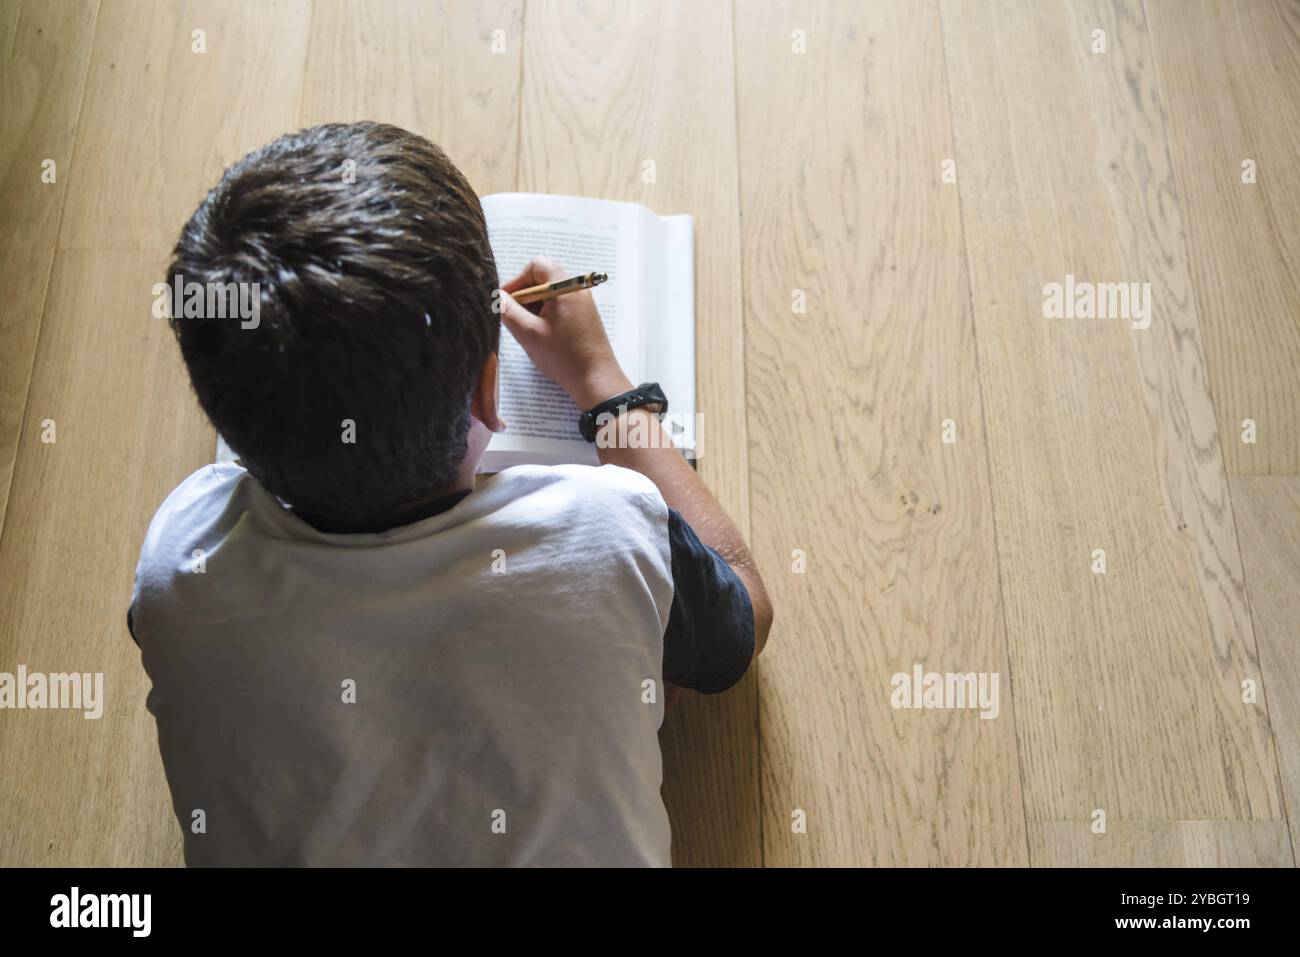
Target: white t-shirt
[[482, 687]]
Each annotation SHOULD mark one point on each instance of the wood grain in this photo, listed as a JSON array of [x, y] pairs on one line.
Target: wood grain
[[158, 124], [841, 158], [427, 67], [163, 122], [46, 48], [819, 172], [1230, 82], [1163, 844], [1101, 436], [1268, 524], [607, 86], [92, 791]]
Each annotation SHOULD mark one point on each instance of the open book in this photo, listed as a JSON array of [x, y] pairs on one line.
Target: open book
[[647, 306]]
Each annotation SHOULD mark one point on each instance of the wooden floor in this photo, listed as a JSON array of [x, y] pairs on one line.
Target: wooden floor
[[881, 190]]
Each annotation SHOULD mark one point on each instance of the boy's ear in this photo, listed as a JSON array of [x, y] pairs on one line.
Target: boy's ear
[[484, 404]]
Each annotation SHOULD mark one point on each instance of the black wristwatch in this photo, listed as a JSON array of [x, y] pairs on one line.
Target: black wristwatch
[[648, 393]]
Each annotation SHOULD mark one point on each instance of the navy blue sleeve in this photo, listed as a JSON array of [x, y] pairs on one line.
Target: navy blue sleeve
[[709, 642]]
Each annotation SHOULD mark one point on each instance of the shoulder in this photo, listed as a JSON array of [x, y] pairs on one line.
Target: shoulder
[[199, 504], [196, 515], [592, 512], [586, 491], [611, 478]]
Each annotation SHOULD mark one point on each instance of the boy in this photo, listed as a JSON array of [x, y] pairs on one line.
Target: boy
[[357, 657]]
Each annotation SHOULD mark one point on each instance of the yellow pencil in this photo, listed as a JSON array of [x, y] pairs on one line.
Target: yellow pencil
[[549, 290]]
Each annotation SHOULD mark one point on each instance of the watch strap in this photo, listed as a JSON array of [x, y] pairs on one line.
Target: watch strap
[[648, 393]]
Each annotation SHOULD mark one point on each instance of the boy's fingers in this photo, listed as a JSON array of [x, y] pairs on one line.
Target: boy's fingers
[[539, 270], [522, 281], [515, 316], [546, 270], [507, 303]]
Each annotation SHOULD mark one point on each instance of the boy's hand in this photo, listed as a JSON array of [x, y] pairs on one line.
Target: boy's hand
[[564, 338]]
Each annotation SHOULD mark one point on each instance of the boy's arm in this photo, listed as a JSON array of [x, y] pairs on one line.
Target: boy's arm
[[567, 342], [684, 492]]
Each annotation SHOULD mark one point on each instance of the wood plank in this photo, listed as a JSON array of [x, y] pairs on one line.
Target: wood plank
[[607, 86], [1127, 686], [162, 122], [841, 158], [46, 50], [93, 790], [427, 67], [1268, 525], [1166, 843], [1101, 435], [1230, 83], [159, 124], [10, 10]]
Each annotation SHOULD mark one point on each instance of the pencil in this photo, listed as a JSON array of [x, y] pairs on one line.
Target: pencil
[[549, 290]]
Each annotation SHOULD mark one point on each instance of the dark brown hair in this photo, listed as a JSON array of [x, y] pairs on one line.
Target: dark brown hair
[[375, 296]]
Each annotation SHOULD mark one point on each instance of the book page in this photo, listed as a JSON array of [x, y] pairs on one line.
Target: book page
[[668, 324], [582, 235]]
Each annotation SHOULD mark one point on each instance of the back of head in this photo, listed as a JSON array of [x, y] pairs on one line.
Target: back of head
[[349, 396]]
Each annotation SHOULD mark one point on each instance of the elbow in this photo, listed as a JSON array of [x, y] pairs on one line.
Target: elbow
[[760, 605], [762, 619]]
